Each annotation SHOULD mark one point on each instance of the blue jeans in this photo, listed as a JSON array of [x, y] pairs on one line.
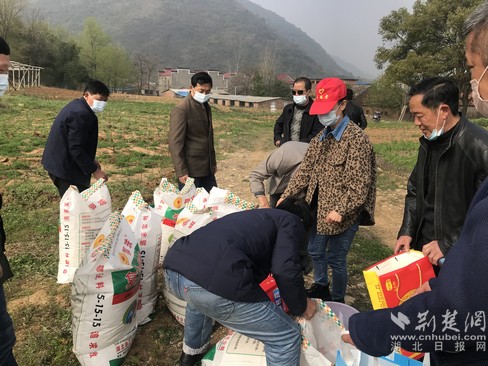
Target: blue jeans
[[7, 335], [263, 321], [331, 250]]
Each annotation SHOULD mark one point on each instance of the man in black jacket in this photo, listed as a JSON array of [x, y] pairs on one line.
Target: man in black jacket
[[69, 156], [7, 334], [452, 162], [218, 268], [295, 122]]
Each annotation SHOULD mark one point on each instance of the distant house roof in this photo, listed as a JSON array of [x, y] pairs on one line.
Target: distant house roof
[[166, 72], [284, 77], [243, 98], [181, 92]]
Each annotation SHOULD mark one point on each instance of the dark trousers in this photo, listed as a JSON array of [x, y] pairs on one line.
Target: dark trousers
[[206, 182], [273, 199], [7, 335], [63, 185]]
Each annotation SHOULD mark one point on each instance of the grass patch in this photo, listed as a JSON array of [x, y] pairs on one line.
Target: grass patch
[[365, 251]]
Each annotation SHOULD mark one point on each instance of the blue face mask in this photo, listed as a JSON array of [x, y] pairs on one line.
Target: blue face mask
[[436, 133]]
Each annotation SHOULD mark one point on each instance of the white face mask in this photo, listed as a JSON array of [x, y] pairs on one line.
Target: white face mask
[[3, 83], [300, 99], [435, 133], [328, 119], [480, 104], [98, 106], [200, 97]]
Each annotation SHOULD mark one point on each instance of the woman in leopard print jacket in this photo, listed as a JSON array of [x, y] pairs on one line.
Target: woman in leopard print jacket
[[338, 174]]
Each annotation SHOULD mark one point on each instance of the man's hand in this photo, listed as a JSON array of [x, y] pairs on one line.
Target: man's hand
[[99, 173], [402, 244], [333, 217], [423, 288], [310, 310], [278, 143], [183, 178], [346, 337], [432, 251], [263, 201]]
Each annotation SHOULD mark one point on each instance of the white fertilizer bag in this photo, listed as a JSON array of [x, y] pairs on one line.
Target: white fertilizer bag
[[81, 216], [145, 223], [321, 336], [104, 296], [206, 207], [236, 349], [169, 201], [196, 214]]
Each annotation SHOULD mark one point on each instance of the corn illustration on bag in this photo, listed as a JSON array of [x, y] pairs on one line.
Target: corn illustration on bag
[[169, 201]]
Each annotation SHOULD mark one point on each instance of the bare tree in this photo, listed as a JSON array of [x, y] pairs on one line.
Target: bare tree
[[36, 31], [270, 60], [9, 15], [240, 84], [144, 67], [237, 54]]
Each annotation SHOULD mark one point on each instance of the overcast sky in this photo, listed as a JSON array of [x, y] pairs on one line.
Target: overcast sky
[[344, 28]]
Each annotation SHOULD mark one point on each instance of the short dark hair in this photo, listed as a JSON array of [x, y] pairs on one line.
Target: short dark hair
[[303, 79], [350, 94], [201, 78], [436, 91], [299, 207], [97, 87], [4, 48]]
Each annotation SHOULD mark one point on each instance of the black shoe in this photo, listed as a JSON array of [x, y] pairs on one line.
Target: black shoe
[[317, 291], [339, 300], [190, 360]]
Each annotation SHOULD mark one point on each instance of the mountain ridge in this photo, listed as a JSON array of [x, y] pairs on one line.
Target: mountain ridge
[[199, 34]]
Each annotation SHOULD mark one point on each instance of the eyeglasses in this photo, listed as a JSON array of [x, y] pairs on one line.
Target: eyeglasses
[[298, 92]]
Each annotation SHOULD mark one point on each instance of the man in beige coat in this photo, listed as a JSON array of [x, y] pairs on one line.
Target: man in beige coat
[[191, 141]]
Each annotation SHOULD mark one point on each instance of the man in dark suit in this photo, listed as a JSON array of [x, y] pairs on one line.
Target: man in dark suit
[[191, 141], [355, 112], [69, 156]]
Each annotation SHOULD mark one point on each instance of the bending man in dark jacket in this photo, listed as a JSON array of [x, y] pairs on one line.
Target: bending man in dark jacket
[[69, 156], [452, 162], [295, 122], [218, 268]]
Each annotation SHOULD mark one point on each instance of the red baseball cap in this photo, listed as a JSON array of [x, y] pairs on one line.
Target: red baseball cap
[[327, 93]]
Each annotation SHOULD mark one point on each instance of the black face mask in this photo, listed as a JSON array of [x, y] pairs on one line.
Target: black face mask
[[305, 259]]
